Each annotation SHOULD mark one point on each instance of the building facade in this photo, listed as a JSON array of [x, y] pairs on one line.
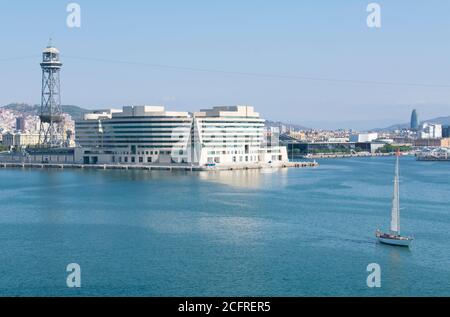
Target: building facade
[[363, 137], [414, 126], [446, 131], [431, 131], [144, 134], [20, 140], [442, 142], [20, 124], [150, 135]]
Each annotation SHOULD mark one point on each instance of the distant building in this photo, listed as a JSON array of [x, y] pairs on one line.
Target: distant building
[[272, 136], [414, 120], [430, 131], [20, 124], [300, 149], [443, 142], [20, 140], [338, 140], [363, 137], [446, 131]]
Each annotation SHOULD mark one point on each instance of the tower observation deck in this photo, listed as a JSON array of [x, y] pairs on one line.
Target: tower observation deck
[[51, 127]]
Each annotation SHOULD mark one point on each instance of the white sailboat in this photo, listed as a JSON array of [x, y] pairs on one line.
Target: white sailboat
[[395, 237]]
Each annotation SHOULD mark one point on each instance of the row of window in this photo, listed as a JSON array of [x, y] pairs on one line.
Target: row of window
[[137, 159], [241, 159]]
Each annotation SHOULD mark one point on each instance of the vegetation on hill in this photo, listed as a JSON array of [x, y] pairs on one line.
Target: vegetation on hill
[[74, 111]]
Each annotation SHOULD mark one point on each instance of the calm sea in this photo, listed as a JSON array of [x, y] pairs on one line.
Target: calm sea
[[285, 233]]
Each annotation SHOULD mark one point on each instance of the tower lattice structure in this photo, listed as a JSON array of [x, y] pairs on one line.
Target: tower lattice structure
[[51, 132]]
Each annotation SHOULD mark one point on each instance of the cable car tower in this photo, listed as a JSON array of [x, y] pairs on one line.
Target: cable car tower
[[51, 132]]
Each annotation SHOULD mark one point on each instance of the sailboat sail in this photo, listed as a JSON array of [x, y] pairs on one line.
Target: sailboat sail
[[395, 222]]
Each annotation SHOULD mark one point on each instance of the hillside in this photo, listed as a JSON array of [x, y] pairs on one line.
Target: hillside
[[440, 120], [74, 111], [289, 125]]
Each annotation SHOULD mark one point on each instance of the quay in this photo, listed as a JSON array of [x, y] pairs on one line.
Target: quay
[[341, 155], [189, 168]]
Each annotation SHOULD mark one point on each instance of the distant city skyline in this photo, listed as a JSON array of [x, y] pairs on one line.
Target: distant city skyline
[[314, 64]]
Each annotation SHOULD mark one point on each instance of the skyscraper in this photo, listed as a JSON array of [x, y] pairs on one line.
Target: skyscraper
[[414, 121]]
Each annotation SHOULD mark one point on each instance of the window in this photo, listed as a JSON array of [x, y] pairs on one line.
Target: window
[[141, 159], [149, 159], [133, 159], [126, 159]]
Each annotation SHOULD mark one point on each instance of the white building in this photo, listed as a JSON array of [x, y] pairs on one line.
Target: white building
[[430, 131], [151, 135], [363, 137], [142, 134]]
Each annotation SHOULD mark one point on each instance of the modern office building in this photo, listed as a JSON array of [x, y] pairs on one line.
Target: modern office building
[[142, 134], [151, 135], [414, 121]]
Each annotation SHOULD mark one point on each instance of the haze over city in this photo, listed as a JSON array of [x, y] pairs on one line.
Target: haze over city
[[314, 64]]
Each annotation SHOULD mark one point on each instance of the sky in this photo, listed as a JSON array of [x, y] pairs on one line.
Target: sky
[[314, 63]]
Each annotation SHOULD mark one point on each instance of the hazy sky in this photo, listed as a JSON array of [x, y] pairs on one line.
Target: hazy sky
[[112, 60]]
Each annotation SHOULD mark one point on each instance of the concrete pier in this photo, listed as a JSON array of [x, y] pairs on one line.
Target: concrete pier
[[189, 168]]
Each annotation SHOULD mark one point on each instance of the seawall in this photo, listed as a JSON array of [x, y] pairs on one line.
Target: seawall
[[191, 168]]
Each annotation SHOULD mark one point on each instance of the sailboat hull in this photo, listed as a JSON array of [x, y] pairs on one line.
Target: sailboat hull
[[405, 242]]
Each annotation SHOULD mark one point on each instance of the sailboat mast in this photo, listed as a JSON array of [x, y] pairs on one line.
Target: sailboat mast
[[395, 221], [397, 173]]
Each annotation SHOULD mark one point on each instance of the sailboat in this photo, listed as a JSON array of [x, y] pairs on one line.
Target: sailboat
[[395, 237]]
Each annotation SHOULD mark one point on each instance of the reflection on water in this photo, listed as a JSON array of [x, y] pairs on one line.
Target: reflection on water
[[237, 230], [252, 179]]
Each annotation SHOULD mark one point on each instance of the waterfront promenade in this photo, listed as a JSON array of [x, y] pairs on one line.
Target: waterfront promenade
[[342, 155]]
